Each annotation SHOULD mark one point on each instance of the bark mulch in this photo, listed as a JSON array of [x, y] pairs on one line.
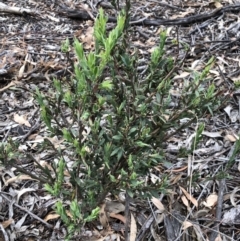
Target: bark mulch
[[31, 35]]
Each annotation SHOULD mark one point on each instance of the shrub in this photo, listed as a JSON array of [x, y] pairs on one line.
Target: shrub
[[114, 121]]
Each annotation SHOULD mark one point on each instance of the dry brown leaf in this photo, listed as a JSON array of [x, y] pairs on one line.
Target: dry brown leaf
[[151, 42], [56, 142], [181, 76], [177, 170], [189, 197], [175, 179], [32, 137], [114, 207], [69, 213], [45, 164], [133, 229], [186, 224], [218, 238], [21, 70], [214, 72], [212, 134], [21, 120], [18, 178], [103, 218], [218, 4], [185, 201], [196, 65], [118, 216], [6, 223], [147, 14], [231, 138], [182, 14], [23, 191], [158, 204], [233, 196], [211, 200], [51, 216]]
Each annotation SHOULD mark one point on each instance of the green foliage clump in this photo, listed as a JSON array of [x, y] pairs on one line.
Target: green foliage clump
[[114, 121]]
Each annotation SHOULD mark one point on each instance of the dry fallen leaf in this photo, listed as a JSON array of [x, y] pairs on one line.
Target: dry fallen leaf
[[158, 204], [21, 120], [218, 238], [218, 4], [18, 178], [118, 216], [182, 14], [133, 229], [56, 142], [6, 223], [233, 196], [231, 138], [232, 113], [212, 134], [211, 200], [185, 201], [23, 191], [114, 207], [51, 216], [186, 224], [189, 197], [103, 218], [181, 76]]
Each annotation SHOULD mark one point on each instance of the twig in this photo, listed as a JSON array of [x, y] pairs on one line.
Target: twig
[[27, 211], [84, 15], [126, 214], [218, 210], [16, 10], [199, 197], [147, 224], [33, 128], [167, 5], [4, 233]]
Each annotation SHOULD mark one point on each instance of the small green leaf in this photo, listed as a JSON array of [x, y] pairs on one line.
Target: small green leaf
[[93, 215], [106, 84], [75, 210], [142, 144], [130, 193], [65, 46], [117, 137], [67, 135]]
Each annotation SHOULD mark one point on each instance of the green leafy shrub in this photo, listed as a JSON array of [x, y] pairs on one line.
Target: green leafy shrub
[[114, 121]]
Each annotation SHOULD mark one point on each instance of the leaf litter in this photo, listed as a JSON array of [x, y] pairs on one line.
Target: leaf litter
[[31, 57]]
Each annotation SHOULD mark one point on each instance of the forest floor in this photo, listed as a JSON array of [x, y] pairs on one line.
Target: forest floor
[[31, 35]]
